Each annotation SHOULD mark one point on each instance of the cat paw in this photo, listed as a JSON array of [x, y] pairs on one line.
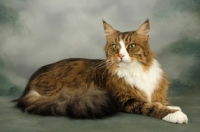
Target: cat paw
[[176, 117], [174, 108]]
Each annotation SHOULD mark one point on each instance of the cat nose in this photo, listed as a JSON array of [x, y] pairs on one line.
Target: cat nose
[[121, 56]]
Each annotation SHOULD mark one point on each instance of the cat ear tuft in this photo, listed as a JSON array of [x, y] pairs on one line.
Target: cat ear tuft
[[144, 29], [108, 29], [147, 20]]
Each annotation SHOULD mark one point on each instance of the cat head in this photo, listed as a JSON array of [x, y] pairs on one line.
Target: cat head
[[124, 48]]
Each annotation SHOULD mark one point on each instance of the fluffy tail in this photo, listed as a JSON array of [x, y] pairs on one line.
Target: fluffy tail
[[91, 103]]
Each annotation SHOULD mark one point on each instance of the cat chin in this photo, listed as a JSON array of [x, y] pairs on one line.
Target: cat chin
[[126, 59], [123, 63]]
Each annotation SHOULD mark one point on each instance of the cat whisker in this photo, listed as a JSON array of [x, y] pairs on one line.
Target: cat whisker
[[108, 64], [99, 64]]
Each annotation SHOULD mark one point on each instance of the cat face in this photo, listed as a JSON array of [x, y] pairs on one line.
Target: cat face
[[123, 48]]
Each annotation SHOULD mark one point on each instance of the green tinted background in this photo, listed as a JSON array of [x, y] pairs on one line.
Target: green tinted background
[[35, 33]]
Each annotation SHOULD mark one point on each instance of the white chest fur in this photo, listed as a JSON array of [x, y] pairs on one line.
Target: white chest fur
[[135, 75]]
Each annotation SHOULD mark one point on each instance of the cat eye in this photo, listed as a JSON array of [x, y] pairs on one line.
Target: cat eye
[[115, 46], [131, 46]]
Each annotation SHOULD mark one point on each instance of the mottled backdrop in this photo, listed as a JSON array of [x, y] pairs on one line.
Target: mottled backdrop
[[37, 32]]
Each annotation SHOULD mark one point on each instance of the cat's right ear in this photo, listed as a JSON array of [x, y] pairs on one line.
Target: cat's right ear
[[109, 30]]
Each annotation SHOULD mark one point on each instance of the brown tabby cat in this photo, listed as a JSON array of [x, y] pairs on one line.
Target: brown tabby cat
[[129, 80]]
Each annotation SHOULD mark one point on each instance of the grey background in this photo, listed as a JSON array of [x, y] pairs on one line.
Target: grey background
[[38, 32]]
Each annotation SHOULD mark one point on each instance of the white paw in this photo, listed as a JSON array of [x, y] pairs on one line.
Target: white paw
[[176, 117], [174, 108]]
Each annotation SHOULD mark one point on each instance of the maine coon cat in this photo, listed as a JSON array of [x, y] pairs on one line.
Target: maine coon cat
[[130, 80]]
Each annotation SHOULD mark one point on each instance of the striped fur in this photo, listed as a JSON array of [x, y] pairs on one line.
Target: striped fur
[[128, 80]]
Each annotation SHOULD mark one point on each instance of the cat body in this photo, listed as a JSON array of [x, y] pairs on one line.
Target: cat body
[[130, 80]]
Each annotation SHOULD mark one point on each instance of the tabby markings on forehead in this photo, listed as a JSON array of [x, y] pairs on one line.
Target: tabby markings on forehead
[[125, 36]]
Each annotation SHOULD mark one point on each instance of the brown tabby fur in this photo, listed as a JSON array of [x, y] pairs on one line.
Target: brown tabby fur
[[86, 88]]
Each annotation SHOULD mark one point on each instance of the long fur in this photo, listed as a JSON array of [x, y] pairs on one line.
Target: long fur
[[82, 103], [129, 80]]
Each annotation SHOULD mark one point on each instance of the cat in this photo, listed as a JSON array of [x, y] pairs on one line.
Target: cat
[[129, 80]]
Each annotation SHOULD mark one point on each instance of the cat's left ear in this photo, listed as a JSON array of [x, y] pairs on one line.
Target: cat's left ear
[[144, 29], [109, 30]]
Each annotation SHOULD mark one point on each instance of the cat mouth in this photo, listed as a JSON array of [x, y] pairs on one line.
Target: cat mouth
[[122, 62]]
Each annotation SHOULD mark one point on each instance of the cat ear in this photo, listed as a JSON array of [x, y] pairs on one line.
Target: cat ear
[[109, 30], [144, 29]]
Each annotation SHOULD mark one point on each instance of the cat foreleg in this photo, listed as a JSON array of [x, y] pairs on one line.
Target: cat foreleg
[[167, 113], [174, 107], [176, 117]]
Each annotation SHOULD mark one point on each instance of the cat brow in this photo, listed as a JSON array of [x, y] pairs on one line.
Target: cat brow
[[125, 37]]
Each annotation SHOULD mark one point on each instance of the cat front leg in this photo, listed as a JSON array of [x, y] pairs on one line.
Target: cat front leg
[[157, 110], [176, 117], [170, 106], [174, 107]]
